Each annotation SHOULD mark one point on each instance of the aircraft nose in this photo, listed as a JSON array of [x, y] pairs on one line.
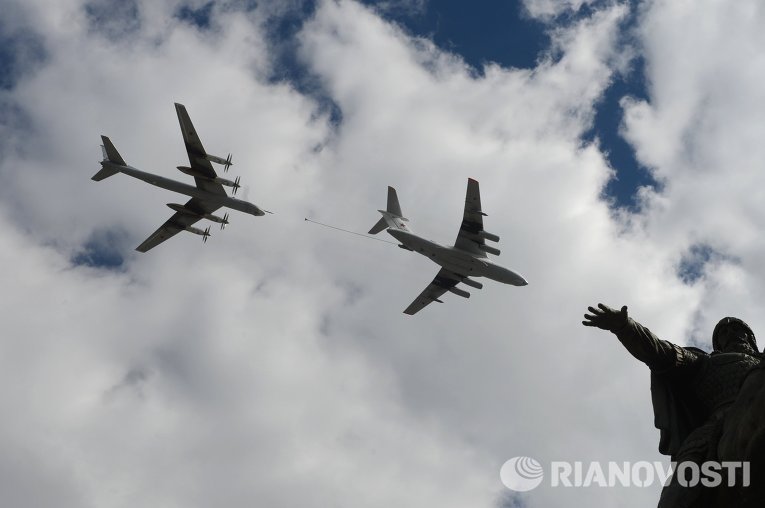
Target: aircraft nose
[[518, 280]]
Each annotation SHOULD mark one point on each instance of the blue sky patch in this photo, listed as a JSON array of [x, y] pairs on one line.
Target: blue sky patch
[[21, 52], [198, 17], [609, 115], [481, 31], [692, 264], [103, 250], [113, 19], [281, 33], [630, 174]]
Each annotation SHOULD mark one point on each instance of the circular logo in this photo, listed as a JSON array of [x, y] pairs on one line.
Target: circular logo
[[521, 474]]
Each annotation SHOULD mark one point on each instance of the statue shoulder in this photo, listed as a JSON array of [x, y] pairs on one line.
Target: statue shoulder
[[697, 352]]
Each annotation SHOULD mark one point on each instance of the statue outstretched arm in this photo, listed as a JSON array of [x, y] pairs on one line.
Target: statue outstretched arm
[[659, 355]]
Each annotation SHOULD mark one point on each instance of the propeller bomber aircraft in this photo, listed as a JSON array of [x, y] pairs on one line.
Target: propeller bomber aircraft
[[207, 196]]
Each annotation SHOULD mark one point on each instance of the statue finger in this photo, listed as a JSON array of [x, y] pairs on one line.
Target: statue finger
[[605, 308]]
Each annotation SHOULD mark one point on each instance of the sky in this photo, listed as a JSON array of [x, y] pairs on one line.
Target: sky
[[618, 148]]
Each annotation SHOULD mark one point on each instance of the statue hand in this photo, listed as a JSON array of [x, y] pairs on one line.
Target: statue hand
[[606, 318]]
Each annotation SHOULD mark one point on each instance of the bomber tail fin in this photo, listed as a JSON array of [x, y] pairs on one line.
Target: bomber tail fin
[[392, 216], [111, 155]]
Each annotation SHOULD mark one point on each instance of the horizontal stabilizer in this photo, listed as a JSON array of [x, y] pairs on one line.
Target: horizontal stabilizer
[[105, 172], [381, 224]]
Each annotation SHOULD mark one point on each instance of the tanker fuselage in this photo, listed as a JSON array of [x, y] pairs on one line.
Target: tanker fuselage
[[457, 260]]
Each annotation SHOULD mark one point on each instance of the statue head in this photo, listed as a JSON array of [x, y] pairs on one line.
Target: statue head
[[733, 335]]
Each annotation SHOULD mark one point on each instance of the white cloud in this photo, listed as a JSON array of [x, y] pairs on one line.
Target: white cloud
[[549, 9], [700, 134], [274, 365]]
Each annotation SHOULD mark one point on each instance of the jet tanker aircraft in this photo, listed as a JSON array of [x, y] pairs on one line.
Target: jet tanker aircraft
[[207, 195], [466, 259]]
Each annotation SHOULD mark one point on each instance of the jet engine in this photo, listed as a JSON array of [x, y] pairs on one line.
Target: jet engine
[[489, 249], [470, 282], [459, 292], [488, 236]]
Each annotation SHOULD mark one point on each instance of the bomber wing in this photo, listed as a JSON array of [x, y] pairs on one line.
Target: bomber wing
[[445, 281], [196, 209], [196, 152]]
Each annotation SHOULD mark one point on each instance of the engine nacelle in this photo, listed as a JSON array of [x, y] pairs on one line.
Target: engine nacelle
[[225, 182], [488, 236], [470, 282], [196, 231], [220, 160], [204, 234], [459, 292], [489, 249], [215, 218]]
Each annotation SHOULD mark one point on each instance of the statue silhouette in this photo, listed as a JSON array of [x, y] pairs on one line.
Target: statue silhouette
[[696, 404]]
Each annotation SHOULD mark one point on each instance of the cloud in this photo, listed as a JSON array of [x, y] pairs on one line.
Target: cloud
[[20, 54], [550, 9], [699, 133], [273, 365]]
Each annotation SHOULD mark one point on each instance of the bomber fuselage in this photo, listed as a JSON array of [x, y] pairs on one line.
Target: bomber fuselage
[[189, 190]]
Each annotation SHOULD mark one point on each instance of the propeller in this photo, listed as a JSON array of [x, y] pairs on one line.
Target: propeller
[[224, 221], [206, 234], [227, 164], [236, 184]]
